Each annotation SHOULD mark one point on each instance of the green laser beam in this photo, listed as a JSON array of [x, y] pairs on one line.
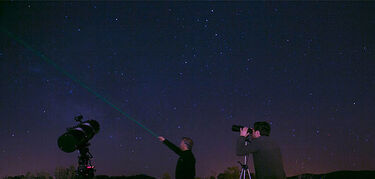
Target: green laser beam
[[46, 59]]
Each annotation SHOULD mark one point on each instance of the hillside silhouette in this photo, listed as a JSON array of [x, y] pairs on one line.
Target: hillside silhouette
[[365, 174], [229, 173]]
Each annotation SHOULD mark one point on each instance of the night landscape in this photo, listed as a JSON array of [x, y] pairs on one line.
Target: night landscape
[[186, 69]]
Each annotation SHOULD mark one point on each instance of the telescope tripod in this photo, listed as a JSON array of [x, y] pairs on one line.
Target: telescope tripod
[[85, 170]]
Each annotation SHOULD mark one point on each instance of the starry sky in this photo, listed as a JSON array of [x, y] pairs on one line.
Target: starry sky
[[188, 69]]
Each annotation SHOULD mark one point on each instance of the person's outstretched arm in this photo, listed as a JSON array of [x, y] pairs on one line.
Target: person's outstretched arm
[[170, 145]]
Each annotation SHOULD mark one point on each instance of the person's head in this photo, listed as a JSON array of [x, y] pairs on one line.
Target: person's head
[[186, 144], [261, 129]]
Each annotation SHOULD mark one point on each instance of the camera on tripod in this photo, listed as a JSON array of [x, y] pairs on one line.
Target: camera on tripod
[[244, 167]]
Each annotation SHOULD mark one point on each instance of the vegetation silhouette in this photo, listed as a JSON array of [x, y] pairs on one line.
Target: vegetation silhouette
[[229, 173]]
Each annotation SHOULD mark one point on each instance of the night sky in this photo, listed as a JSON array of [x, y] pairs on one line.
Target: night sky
[[188, 69]]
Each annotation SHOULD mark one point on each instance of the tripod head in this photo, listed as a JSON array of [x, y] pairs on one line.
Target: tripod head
[[243, 166], [244, 169]]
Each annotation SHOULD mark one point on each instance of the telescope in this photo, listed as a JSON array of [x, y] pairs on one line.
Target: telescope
[[77, 137]]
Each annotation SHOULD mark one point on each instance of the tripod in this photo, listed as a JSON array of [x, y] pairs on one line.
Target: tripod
[[245, 169], [85, 170]]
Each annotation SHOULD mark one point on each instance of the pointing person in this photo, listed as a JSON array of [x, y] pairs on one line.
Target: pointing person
[[185, 168]]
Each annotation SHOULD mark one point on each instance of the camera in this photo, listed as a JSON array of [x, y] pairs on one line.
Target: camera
[[236, 128]]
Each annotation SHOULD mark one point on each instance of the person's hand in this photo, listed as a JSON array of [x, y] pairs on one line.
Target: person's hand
[[162, 139], [243, 132]]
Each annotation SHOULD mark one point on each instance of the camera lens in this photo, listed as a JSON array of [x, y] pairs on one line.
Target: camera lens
[[236, 128]]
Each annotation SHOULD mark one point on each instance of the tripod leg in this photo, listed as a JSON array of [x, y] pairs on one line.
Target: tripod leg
[[248, 172], [242, 172]]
